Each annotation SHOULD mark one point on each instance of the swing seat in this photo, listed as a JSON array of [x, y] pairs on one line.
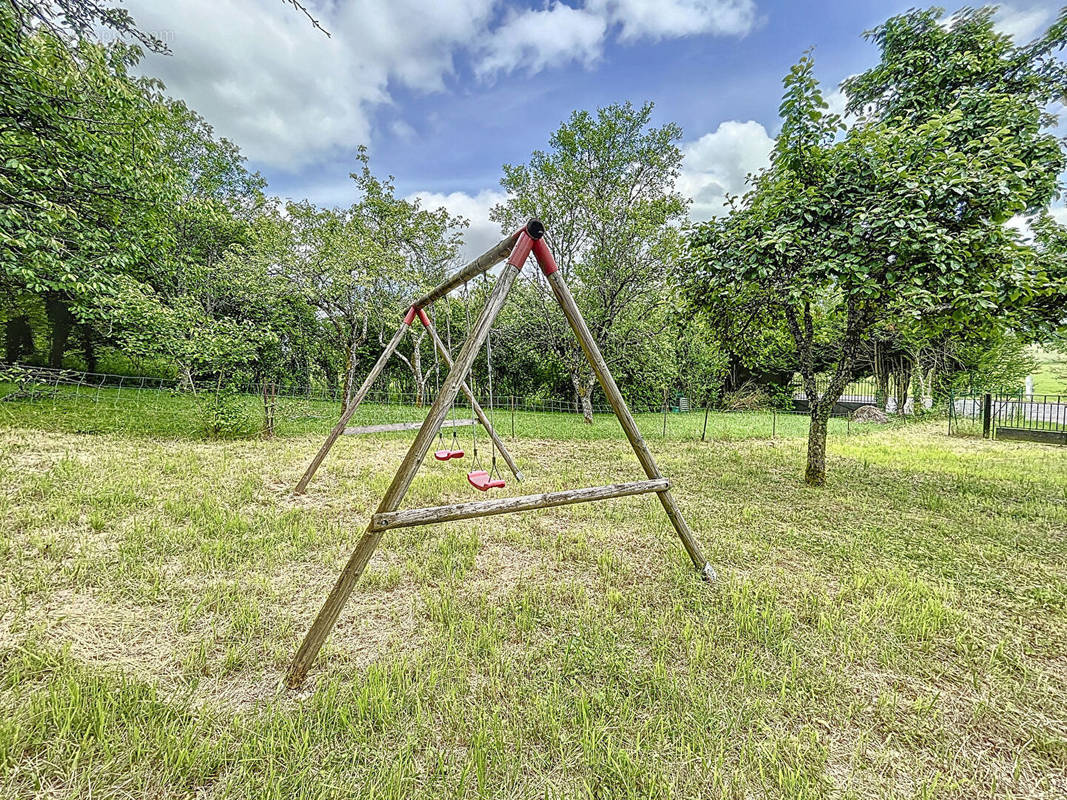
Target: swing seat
[[480, 480], [445, 455]]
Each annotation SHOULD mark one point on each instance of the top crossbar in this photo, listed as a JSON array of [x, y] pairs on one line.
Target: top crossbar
[[483, 263], [486, 261]]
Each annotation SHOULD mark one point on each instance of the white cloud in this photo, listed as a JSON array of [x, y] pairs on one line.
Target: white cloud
[[558, 33], [536, 39], [1022, 24], [482, 234], [716, 164], [660, 19], [837, 100], [287, 94]]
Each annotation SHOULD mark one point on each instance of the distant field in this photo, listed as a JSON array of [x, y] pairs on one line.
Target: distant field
[[900, 633], [1051, 376]]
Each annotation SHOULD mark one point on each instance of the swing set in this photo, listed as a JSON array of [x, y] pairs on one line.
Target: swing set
[[516, 248]]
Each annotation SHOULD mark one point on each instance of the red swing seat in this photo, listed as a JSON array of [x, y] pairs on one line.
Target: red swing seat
[[445, 455], [481, 481]]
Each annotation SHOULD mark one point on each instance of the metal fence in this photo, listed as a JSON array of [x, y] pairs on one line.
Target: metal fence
[[1010, 415]]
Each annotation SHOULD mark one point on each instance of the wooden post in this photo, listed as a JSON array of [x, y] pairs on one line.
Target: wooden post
[[664, 412], [704, 432], [987, 414], [618, 404], [394, 495], [410, 517], [512, 417], [339, 428], [447, 358]]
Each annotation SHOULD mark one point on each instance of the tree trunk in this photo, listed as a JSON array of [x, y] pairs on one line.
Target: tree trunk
[[815, 473], [185, 379], [89, 348], [350, 376], [583, 391], [62, 322], [18, 339], [901, 385], [881, 376]]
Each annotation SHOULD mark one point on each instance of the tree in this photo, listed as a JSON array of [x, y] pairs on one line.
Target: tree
[[904, 216], [84, 183], [606, 192], [359, 266]]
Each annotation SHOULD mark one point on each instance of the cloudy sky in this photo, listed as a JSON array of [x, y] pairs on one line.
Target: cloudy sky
[[444, 92]]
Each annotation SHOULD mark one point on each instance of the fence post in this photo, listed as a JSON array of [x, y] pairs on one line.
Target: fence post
[[774, 422], [987, 414], [513, 416], [664, 411], [705, 431]]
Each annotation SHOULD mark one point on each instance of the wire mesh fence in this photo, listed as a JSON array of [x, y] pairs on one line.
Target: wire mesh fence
[[86, 402]]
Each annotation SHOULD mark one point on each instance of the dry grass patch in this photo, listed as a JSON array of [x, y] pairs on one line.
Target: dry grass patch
[[902, 633]]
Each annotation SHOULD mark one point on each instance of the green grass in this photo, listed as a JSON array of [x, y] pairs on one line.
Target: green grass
[[162, 414], [900, 633], [1051, 374]]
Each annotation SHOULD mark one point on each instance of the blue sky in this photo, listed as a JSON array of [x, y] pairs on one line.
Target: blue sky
[[444, 92]]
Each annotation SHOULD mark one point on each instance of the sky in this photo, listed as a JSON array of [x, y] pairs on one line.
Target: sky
[[444, 92]]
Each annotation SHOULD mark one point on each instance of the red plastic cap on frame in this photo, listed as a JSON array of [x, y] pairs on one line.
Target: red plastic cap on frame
[[523, 245], [423, 318], [410, 316], [544, 257]]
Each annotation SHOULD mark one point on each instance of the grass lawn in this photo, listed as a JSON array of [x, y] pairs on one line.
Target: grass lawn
[[901, 633], [1051, 375], [162, 414]]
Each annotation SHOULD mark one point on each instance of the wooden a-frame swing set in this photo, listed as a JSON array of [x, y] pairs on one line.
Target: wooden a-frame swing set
[[517, 249]]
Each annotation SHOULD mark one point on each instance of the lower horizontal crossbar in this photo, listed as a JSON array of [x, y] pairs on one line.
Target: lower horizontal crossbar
[[507, 505]]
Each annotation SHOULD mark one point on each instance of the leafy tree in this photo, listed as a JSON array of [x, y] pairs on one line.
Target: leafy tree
[[84, 184], [905, 215], [359, 266], [606, 192]]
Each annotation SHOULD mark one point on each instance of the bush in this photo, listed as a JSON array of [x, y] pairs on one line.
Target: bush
[[226, 414], [749, 397]]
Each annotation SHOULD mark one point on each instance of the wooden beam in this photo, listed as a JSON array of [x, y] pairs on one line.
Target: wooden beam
[[447, 358], [404, 426], [339, 428], [629, 426], [482, 263], [509, 505], [405, 474]]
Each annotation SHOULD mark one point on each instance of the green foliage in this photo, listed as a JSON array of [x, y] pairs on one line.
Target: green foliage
[[84, 184], [225, 414], [999, 362], [606, 192], [903, 216]]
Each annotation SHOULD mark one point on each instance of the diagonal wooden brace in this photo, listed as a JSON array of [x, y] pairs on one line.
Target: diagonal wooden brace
[[394, 495]]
